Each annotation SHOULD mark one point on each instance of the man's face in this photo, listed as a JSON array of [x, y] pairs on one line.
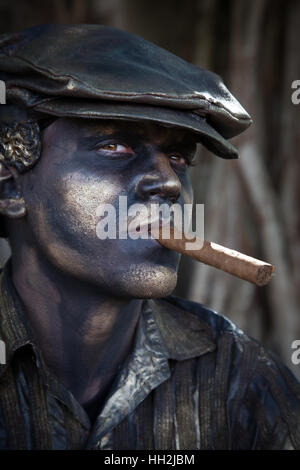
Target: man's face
[[86, 163]]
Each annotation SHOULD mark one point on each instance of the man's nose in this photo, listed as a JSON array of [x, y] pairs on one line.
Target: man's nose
[[159, 181]]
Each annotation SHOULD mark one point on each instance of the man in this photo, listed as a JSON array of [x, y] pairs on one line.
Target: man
[[100, 355]]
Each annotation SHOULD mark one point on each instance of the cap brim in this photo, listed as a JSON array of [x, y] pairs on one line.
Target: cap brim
[[91, 109]]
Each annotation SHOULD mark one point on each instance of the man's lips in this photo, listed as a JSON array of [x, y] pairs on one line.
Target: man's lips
[[147, 227], [153, 228]]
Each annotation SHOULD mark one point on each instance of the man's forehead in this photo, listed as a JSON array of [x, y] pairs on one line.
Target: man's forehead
[[144, 130]]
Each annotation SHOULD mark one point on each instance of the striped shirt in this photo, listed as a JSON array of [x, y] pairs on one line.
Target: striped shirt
[[193, 380]]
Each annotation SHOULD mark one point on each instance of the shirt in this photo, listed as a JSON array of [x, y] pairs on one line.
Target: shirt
[[193, 380]]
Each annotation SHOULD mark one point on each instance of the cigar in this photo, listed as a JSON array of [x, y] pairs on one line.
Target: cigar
[[233, 262]]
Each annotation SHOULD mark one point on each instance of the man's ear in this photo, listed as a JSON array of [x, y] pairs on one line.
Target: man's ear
[[12, 203]]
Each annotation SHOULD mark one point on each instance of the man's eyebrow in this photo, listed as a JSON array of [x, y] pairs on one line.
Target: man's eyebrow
[[134, 138], [98, 136], [187, 148]]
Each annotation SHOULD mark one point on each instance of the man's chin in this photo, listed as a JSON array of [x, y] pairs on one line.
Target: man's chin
[[147, 282]]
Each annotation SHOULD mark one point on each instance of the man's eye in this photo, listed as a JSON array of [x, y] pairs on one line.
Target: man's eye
[[179, 159], [115, 148]]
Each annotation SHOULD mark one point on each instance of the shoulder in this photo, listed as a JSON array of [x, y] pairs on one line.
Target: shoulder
[[262, 394]]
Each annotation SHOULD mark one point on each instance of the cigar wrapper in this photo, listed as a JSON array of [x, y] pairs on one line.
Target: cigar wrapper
[[233, 262]]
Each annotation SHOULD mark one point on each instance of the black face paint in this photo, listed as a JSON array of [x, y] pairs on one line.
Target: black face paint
[[72, 178]]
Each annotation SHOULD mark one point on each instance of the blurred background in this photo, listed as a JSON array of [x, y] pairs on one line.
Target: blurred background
[[251, 205]]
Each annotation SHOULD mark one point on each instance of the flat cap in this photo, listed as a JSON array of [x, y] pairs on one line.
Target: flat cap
[[94, 71]]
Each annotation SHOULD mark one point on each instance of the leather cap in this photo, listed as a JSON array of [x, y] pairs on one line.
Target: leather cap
[[94, 71]]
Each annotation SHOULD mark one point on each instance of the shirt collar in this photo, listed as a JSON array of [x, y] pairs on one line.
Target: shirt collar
[[164, 332], [184, 334]]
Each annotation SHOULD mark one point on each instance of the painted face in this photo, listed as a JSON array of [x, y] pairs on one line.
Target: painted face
[[88, 163]]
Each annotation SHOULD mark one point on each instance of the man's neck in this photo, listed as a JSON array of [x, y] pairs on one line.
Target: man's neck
[[83, 333]]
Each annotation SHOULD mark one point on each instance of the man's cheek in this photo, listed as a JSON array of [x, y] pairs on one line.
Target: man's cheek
[[80, 198], [187, 193]]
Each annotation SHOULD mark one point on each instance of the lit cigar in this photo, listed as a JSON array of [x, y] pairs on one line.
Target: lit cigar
[[245, 267]]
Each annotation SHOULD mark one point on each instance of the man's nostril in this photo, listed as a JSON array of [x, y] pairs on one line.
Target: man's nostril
[[164, 195]]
